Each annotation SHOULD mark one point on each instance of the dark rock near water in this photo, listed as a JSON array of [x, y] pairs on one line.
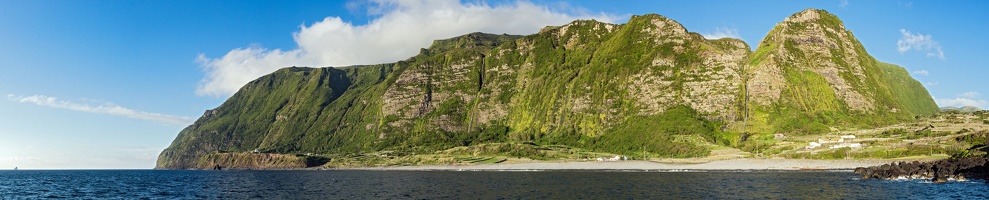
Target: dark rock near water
[[938, 171]]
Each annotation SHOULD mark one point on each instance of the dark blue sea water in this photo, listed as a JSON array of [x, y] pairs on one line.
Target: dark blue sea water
[[166, 184]]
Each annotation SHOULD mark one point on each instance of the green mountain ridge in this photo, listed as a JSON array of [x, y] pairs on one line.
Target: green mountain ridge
[[620, 88], [963, 109]]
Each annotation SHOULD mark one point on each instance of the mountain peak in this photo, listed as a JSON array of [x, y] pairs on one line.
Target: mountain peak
[[660, 22], [806, 15], [812, 26], [818, 16]]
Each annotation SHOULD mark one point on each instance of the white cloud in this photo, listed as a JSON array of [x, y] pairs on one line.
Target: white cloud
[[929, 84], [922, 72], [722, 32], [918, 41], [843, 3], [970, 95], [105, 108], [399, 29], [962, 100]]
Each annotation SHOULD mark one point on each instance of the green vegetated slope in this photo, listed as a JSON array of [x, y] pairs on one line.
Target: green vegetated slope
[[627, 88], [810, 73]]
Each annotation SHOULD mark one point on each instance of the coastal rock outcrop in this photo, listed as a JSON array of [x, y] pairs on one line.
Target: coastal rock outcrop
[[938, 171], [256, 161]]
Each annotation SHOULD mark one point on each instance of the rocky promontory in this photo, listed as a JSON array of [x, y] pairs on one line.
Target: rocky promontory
[[255, 161]]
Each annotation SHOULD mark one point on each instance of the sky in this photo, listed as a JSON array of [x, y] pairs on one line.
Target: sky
[[109, 84]]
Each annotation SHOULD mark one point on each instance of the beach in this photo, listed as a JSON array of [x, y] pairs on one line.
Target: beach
[[730, 164]]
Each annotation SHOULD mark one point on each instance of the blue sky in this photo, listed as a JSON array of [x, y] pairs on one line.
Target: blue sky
[[109, 84]]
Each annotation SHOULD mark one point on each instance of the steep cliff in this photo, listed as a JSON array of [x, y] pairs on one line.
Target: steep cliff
[[810, 72], [619, 88]]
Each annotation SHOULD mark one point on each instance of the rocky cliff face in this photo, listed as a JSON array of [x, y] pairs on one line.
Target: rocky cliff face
[[608, 87]]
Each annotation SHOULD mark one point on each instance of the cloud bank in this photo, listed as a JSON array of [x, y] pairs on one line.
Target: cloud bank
[[964, 99], [399, 29], [910, 41], [105, 108], [922, 72], [970, 95], [722, 32]]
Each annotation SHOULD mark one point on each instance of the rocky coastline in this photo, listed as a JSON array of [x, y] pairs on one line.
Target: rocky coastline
[[940, 171], [247, 161]]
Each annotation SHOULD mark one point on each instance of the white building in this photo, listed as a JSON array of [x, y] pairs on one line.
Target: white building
[[813, 145], [851, 145]]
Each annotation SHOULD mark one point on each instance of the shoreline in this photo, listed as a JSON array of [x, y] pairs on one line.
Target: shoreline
[[638, 165]]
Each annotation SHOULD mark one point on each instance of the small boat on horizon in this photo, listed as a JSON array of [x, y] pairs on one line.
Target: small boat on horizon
[[15, 168]]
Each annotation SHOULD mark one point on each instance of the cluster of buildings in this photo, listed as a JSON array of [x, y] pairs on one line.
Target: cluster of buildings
[[837, 143], [616, 158]]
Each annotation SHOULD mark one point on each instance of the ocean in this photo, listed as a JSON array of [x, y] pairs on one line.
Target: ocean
[[354, 184]]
